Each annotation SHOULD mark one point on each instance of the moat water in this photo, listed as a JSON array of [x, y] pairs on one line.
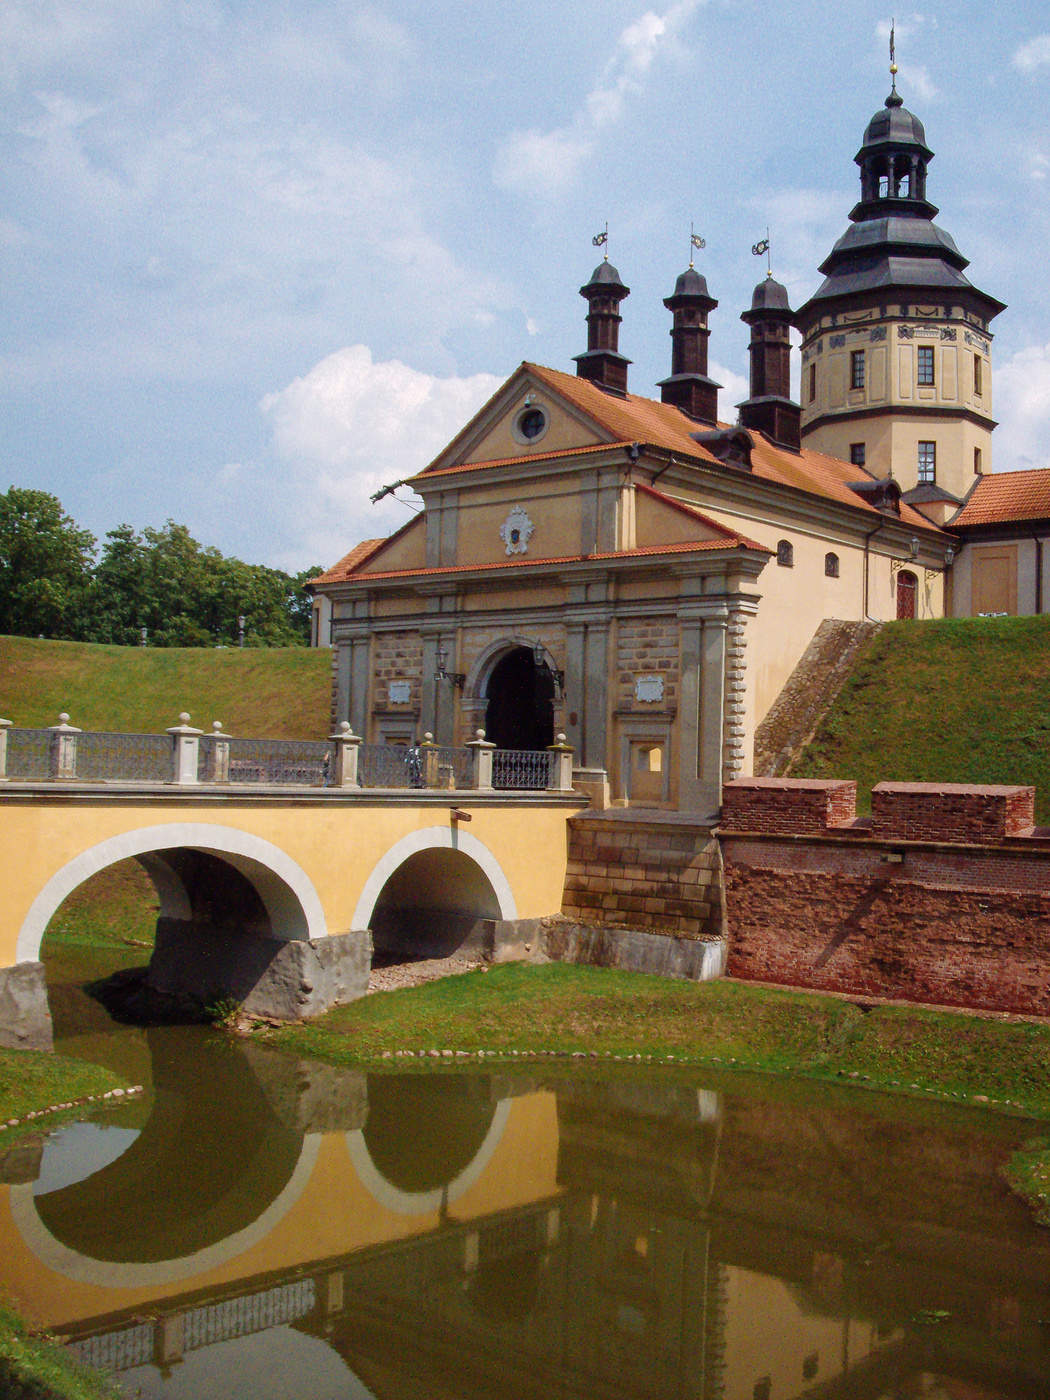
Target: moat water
[[259, 1226]]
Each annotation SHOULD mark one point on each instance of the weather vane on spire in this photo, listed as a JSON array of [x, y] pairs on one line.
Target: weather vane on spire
[[601, 240], [763, 247], [893, 54], [695, 241]]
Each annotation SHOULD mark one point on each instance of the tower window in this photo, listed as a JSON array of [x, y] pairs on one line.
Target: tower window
[[978, 466], [812, 382], [857, 454], [977, 376], [856, 369], [831, 566], [927, 461], [926, 364], [785, 554]]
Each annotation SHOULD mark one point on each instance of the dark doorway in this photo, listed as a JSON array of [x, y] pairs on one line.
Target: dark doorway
[[907, 589], [520, 713]]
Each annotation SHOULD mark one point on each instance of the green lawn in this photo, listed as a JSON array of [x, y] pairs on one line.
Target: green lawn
[[276, 692], [963, 700], [35, 1368]]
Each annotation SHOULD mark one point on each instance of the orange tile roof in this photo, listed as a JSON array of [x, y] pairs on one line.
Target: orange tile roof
[[349, 562], [636, 419], [687, 509], [1003, 496]]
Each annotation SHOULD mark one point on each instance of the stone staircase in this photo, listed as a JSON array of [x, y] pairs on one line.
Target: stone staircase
[[810, 690]]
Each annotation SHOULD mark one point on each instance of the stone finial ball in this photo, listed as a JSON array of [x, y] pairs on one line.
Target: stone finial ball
[[184, 718], [479, 733], [561, 739], [216, 724], [344, 726], [63, 718]]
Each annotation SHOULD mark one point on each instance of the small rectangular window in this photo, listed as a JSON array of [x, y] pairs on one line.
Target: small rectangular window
[[926, 365], [978, 466], [927, 461], [856, 369], [977, 376], [857, 453], [812, 382]]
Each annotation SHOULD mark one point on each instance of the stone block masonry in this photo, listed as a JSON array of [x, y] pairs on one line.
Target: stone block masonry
[[943, 896], [657, 874]]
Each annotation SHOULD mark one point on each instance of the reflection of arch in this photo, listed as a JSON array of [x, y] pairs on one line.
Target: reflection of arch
[[283, 886], [394, 1198], [434, 838]]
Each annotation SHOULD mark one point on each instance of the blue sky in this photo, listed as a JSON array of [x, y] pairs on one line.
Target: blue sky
[[257, 259]]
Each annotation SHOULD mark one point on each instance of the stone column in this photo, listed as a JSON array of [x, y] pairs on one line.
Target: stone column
[[217, 760], [712, 714], [736, 759], [575, 633], [184, 752], [689, 746], [481, 752], [5, 725], [560, 778], [345, 744], [62, 756], [596, 697]]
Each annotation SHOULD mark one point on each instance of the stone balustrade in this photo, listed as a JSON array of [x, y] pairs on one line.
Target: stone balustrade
[[185, 756]]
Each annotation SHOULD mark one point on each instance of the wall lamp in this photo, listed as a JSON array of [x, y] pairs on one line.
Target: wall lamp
[[544, 661], [456, 678]]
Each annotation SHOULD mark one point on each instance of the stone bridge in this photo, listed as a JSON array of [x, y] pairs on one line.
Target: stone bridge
[[269, 894]]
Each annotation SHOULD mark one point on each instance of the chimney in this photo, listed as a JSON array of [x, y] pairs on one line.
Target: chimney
[[769, 408], [689, 388], [602, 362]]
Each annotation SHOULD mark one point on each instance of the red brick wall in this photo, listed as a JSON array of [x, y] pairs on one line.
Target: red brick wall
[[939, 900], [950, 812], [661, 877], [797, 806]]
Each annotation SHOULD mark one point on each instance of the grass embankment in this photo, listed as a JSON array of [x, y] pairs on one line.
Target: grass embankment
[[35, 1368], [963, 700], [275, 692]]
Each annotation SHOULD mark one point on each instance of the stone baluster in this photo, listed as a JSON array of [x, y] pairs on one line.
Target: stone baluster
[[481, 754], [561, 765], [428, 753], [217, 760], [343, 764], [62, 750], [5, 725], [184, 752]]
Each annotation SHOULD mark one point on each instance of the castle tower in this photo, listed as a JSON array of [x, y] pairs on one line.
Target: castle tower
[[896, 369], [602, 362], [689, 387], [770, 408]]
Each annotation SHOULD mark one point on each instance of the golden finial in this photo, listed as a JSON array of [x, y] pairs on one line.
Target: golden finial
[[893, 53]]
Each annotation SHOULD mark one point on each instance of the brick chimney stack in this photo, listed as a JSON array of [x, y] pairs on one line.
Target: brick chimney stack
[[602, 362], [689, 387], [769, 408]]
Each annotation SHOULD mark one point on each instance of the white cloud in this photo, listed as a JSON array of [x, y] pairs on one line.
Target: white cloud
[[1022, 405], [536, 161], [351, 425], [1035, 54]]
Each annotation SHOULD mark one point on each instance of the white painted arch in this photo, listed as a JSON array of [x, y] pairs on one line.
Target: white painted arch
[[434, 838], [283, 886]]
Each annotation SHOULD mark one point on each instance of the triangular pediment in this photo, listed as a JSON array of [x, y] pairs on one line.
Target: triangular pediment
[[527, 417], [405, 549]]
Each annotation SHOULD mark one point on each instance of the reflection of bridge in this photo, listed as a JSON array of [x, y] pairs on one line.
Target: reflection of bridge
[[615, 1238], [266, 893]]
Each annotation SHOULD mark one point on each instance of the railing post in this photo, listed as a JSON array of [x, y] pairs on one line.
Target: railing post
[[560, 777], [62, 752], [481, 755], [217, 756], [5, 725], [428, 752], [345, 744], [184, 745]]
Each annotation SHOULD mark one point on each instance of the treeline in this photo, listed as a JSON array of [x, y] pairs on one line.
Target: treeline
[[158, 587]]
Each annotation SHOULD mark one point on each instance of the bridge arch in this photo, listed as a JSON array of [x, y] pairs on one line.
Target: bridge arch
[[286, 891], [436, 838]]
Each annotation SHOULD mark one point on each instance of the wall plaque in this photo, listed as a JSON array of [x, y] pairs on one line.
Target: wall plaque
[[648, 689], [399, 692]]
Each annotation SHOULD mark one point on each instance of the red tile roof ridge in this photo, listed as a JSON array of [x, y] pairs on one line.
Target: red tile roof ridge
[[521, 457], [1000, 497], [345, 566]]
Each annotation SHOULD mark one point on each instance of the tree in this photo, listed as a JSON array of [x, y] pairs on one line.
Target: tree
[[45, 567]]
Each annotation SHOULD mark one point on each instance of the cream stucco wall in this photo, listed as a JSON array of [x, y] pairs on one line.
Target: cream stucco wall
[[564, 429]]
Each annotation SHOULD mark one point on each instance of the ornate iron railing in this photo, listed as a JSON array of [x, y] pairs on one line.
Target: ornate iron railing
[[390, 766], [123, 758], [453, 768], [283, 762], [521, 770], [28, 753]]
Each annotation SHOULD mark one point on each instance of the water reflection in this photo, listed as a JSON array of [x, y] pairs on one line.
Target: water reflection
[[274, 1228]]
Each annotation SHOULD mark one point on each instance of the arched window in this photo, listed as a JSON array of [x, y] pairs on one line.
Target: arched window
[[785, 554], [831, 565]]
